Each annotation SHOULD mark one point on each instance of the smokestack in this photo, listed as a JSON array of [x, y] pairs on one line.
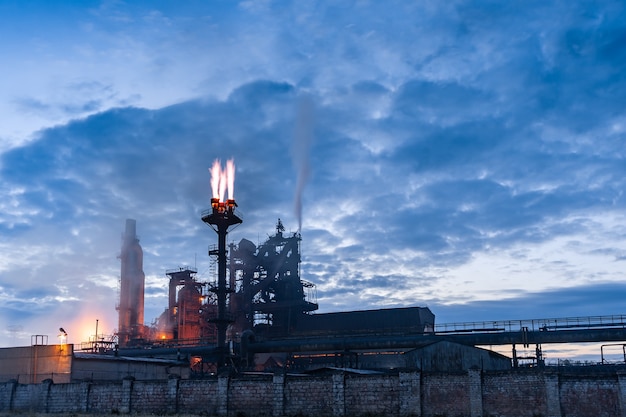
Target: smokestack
[[131, 230], [132, 283], [221, 216]]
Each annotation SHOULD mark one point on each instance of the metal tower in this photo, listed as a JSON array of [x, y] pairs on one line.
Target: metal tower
[[220, 217]]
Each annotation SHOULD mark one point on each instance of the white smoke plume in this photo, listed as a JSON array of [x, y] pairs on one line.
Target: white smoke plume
[[303, 137]]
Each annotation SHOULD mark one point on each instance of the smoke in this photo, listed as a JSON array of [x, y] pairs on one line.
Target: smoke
[[303, 137]]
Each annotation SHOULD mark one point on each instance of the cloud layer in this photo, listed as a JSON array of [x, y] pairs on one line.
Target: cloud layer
[[467, 156]]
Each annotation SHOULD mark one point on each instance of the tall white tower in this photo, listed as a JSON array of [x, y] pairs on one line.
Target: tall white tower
[[132, 283]]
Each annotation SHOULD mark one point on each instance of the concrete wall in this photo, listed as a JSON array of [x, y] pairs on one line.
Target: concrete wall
[[33, 364], [526, 392], [112, 368]]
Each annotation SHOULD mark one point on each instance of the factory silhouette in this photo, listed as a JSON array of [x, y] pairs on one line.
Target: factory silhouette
[[259, 296], [250, 342], [259, 314]]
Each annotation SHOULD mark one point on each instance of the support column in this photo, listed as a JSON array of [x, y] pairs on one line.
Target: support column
[[44, 396], [172, 394], [339, 394], [86, 389], [410, 394], [10, 404], [222, 394], [553, 398], [279, 394], [621, 380], [127, 392], [475, 392]]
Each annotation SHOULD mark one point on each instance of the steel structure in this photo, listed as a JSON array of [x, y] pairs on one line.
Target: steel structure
[[187, 317], [260, 302], [270, 297], [221, 217]]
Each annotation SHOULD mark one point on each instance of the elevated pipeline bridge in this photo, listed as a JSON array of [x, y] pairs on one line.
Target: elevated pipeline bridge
[[494, 333], [600, 329], [537, 331]]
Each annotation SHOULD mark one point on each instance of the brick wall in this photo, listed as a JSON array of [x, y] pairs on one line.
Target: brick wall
[[525, 392], [372, 394], [65, 398], [105, 398], [30, 397], [6, 394], [149, 396], [308, 396], [514, 394], [445, 395], [589, 396], [251, 394], [198, 397]]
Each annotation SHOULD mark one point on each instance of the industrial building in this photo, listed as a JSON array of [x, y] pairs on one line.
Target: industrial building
[[258, 314], [259, 296], [61, 364]]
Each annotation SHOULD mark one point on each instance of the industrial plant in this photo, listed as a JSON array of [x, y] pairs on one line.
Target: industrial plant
[[250, 341], [258, 296], [258, 314]]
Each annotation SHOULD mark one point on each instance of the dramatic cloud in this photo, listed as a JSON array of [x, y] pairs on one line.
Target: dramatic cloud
[[468, 156]]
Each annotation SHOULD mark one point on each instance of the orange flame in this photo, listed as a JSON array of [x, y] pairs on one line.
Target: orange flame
[[222, 180]]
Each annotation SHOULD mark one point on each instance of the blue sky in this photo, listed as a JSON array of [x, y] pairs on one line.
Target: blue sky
[[468, 156]]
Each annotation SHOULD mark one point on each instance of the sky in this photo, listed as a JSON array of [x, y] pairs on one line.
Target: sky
[[466, 156]]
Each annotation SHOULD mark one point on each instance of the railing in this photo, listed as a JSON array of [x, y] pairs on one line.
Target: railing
[[175, 343], [582, 323]]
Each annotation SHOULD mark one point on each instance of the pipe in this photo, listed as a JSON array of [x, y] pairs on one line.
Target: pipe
[[417, 340]]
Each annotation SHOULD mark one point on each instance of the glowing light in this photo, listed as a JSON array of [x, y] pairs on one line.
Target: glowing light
[[215, 178], [85, 326], [223, 180], [230, 176]]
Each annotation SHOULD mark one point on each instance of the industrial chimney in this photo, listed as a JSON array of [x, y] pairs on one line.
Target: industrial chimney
[[221, 216], [132, 282]]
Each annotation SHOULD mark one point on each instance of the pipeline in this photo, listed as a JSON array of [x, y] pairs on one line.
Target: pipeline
[[417, 340]]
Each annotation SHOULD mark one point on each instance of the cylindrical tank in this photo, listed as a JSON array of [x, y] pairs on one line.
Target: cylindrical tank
[[189, 305]]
